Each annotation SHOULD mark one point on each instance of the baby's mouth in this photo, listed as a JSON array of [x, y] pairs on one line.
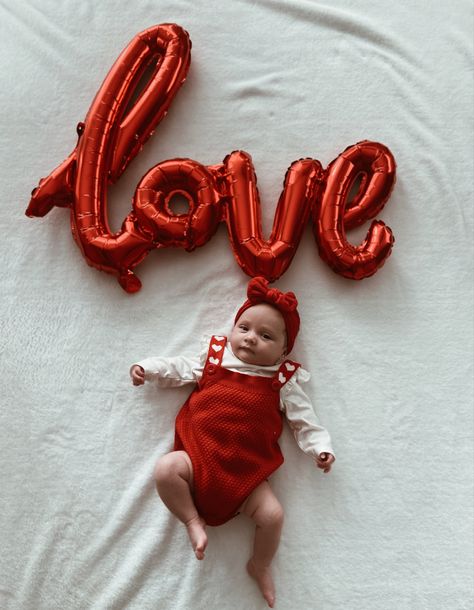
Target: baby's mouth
[[247, 349]]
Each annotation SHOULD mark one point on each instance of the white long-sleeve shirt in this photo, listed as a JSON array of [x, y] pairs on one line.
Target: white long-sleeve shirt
[[310, 435]]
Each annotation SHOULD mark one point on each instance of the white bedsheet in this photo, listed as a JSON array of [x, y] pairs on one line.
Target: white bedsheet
[[391, 356]]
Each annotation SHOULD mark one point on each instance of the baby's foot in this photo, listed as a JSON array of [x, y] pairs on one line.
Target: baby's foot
[[263, 576], [197, 535]]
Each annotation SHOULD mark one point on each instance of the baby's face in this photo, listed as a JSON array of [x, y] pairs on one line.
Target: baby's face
[[259, 335]]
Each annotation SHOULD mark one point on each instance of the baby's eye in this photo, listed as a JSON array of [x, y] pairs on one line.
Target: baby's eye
[[243, 327], [267, 337]]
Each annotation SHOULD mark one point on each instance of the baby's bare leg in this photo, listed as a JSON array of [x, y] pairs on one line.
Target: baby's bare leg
[[174, 482], [263, 507]]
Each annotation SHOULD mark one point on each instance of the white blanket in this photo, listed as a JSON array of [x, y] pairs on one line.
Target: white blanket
[[391, 356]]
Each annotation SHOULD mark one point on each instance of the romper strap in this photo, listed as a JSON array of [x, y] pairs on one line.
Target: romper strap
[[215, 353], [286, 371]]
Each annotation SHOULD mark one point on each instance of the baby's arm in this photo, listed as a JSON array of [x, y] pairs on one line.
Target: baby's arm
[[166, 372], [310, 435]]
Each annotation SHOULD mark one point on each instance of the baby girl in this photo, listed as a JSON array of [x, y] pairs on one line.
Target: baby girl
[[226, 434]]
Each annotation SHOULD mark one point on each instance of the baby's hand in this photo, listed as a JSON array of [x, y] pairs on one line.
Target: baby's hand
[[137, 374], [325, 461]]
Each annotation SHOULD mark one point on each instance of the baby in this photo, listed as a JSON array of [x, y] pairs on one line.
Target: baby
[[226, 434]]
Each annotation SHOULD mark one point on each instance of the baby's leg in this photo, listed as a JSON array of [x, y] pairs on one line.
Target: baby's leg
[[263, 507], [174, 482]]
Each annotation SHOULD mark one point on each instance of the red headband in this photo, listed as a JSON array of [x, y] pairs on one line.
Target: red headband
[[258, 291]]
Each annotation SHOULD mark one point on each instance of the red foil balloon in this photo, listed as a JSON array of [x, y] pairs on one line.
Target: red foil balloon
[[122, 117], [255, 255], [111, 136], [375, 163], [159, 185]]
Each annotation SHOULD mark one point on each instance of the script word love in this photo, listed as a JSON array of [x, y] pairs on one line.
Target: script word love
[[124, 114]]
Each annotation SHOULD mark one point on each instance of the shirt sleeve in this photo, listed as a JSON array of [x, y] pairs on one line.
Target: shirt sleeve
[[171, 372], [310, 435]]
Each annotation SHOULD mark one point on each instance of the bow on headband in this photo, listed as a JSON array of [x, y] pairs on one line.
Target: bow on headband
[[259, 291]]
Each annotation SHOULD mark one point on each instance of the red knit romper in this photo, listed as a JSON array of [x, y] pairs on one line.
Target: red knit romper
[[230, 426]]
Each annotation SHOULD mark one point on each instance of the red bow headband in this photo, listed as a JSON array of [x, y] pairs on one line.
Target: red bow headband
[[258, 291]]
